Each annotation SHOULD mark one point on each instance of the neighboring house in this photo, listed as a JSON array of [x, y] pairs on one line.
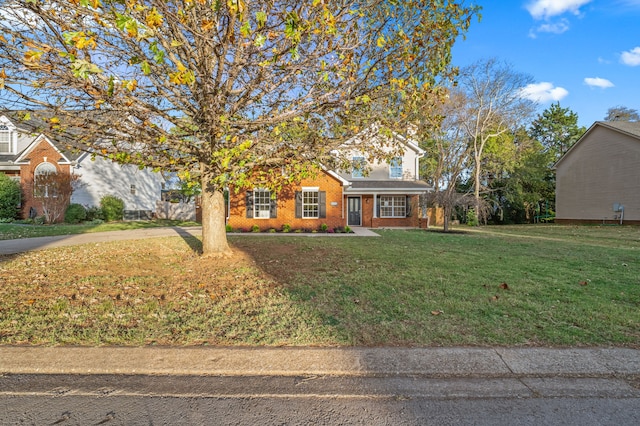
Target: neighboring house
[[379, 194], [598, 179], [25, 152]]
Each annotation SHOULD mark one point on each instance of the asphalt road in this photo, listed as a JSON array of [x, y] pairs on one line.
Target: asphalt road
[[315, 400]]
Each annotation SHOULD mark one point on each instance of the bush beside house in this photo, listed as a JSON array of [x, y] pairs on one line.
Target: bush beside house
[[9, 197]]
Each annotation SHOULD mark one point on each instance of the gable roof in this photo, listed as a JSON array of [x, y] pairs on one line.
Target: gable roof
[[629, 128], [22, 157], [33, 124]]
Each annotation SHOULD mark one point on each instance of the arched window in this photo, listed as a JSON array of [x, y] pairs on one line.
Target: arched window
[[5, 138], [43, 179]]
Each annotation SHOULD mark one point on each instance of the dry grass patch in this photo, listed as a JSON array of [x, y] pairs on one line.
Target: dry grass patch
[[143, 292]]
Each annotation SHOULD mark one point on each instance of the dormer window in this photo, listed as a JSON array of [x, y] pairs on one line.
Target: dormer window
[[359, 164], [395, 168], [5, 139]]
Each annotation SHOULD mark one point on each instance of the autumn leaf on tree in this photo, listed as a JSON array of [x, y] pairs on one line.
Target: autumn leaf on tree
[[207, 77]]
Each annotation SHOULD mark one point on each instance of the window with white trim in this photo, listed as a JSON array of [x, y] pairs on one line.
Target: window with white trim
[[5, 138], [310, 204], [42, 181], [261, 204], [393, 206], [359, 164], [395, 168]]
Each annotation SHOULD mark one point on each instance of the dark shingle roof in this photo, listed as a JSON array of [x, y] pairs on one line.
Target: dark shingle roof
[[630, 127], [388, 186]]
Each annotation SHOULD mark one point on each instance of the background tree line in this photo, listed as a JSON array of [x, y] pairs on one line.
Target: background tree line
[[489, 157]]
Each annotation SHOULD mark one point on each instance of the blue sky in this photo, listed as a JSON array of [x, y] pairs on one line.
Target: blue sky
[[583, 53]]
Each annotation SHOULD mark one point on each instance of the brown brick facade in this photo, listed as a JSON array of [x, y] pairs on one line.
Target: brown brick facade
[[336, 214], [286, 207], [43, 152]]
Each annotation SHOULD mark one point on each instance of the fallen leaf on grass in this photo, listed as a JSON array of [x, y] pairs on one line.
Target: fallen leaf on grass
[[437, 312], [494, 298], [504, 286], [583, 283]]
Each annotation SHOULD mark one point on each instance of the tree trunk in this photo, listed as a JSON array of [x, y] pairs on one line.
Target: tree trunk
[[446, 213], [214, 233], [476, 189]]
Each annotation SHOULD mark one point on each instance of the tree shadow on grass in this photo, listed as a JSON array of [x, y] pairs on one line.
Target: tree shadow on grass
[[192, 241]]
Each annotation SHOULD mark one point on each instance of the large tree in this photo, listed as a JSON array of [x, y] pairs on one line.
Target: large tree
[[230, 92], [495, 106], [556, 129], [448, 153], [622, 113]]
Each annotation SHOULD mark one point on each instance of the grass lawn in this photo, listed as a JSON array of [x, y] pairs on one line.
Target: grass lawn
[[10, 231], [520, 285]]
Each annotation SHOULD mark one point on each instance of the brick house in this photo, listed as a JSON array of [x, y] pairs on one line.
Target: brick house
[[373, 194], [26, 151]]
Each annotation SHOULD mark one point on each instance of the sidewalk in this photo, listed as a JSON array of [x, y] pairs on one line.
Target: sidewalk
[[41, 243], [451, 362]]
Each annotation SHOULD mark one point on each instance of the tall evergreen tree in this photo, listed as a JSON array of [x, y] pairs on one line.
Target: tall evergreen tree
[[556, 129]]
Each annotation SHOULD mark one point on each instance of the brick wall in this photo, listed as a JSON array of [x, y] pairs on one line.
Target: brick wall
[[286, 207], [369, 221], [43, 152]]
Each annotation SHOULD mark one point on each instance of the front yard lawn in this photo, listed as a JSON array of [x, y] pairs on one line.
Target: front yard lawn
[[10, 231], [521, 285]]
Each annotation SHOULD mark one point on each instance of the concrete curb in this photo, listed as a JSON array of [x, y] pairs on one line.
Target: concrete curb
[[356, 362]]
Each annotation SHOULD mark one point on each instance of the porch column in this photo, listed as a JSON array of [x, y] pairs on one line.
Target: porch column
[[375, 211]]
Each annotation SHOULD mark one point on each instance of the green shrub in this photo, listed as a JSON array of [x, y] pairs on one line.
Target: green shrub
[[255, 228], [95, 213], [229, 228], [286, 228], [75, 213], [39, 220], [472, 218], [9, 197], [112, 208], [324, 227]]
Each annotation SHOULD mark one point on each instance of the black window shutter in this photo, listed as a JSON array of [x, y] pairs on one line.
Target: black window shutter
[[322, 204], [408, 206], [249, 204], [377, 201], [298, 204], [273, 208]]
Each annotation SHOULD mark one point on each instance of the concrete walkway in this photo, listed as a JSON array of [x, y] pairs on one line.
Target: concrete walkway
[[364, 362], [41, 243]]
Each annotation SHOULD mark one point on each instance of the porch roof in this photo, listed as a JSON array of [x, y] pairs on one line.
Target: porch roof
[[412, 187]]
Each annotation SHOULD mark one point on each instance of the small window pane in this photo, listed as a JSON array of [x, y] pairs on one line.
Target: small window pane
[[393, 206], [261, 204], [395, 168], [310, 204], [358, 167]]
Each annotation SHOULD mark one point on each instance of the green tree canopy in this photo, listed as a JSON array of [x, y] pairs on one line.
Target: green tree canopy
[[556, 129], [214, 89]]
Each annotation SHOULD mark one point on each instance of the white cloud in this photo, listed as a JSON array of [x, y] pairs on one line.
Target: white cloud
[[545, 9], [631, 58], [557, 28], [603, 83], [543, 92]]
